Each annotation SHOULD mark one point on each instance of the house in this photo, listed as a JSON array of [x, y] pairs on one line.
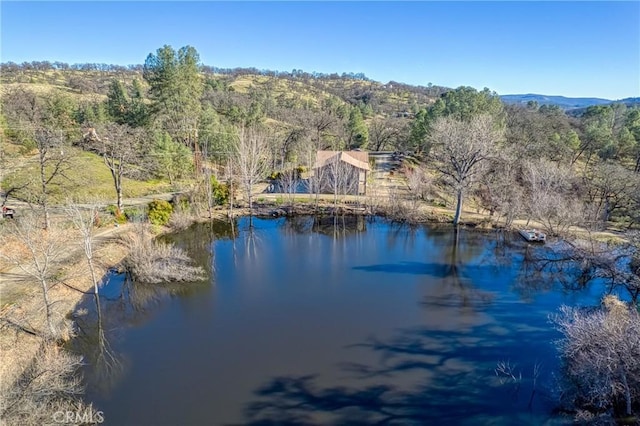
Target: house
[[342, 172]]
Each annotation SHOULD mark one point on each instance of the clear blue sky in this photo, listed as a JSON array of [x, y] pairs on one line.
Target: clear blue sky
[[554, 48]]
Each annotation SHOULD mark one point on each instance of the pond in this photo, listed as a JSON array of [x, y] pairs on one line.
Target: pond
[[345, 321]]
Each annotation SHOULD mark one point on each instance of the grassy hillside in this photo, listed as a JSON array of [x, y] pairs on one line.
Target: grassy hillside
[[85, 179], [386, 99]]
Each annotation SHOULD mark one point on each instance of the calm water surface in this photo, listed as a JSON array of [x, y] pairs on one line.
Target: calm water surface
[[308, 322]]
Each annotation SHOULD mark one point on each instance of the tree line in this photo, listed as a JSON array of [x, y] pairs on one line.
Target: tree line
[[159, 122]]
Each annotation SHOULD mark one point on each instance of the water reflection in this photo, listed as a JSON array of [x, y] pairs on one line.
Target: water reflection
[[101, 320], [309, 320], [93, 341], [334, 226]]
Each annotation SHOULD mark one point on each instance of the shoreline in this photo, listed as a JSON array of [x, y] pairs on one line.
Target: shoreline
[[110, 253]]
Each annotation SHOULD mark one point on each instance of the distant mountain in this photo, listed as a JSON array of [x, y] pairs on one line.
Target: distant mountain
[[561, 101], [630, 101]]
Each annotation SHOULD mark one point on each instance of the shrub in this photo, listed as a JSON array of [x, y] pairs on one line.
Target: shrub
[[600, 351], [274, 176], [220, 191], [160, 212], [180, 219], [150, 261]]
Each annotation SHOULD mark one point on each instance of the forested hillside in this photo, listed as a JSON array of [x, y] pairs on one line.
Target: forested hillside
[[173, 118]]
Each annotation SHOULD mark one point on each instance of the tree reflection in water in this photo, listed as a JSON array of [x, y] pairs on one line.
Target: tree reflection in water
[[100, 319], [106, 366], [433, 364], [565, 266]]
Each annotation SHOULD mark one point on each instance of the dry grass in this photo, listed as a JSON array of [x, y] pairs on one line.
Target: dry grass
[[47, 88], [47, 386], [38, 378], [181, 219]]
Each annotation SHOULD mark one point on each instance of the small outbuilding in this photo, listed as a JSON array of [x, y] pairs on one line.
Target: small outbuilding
[[342, 170]]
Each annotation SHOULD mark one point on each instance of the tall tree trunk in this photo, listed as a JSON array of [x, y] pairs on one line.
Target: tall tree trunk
[[197, 157], [456, 218], [250, 196], [627, 393], [119, 188], [94, 279], [119, 191], [47, 218], [43, 200], [47, 307], [231, 199], [209, 190]]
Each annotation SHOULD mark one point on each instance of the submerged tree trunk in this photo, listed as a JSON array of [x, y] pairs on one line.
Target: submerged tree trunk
[[250, 196], [456, 218]]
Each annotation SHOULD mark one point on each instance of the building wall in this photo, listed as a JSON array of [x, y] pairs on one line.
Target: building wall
[[349, 179]]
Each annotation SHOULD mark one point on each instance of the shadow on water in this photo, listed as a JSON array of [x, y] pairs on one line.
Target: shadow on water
[[450, 368], [454, 383], [450, 387]]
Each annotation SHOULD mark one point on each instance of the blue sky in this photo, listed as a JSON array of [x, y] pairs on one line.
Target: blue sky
[[554, 48]]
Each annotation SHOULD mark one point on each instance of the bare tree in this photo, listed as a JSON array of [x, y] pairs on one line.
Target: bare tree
[[314, 183], [461, 151], [207, 169], [251, 151], [321, 123], [340, 177], [121, 148], [611, 187], [500, 191], [230, 178], [53, 162], [600, 349], [37, 255], [551, 200], [84, 220], [419, 181], [288, 181], [383, 133]]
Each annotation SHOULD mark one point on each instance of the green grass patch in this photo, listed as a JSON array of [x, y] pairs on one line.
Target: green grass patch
[[87, 178]]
